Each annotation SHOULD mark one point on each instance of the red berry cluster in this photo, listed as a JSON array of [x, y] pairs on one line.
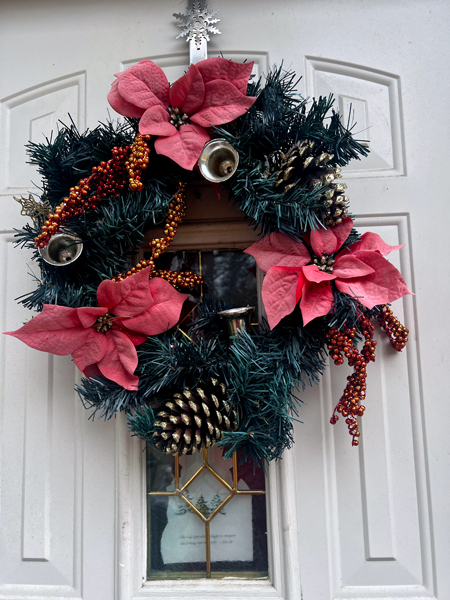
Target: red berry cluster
[[108, 180], [341, 343], [397, 332]]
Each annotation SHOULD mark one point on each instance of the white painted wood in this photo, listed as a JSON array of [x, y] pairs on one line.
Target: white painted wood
[[343, 523]]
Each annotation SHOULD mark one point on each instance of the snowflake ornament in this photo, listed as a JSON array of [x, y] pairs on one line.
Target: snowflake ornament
[[198, 23]]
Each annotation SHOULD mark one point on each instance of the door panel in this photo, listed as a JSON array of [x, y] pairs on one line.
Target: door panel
[[345, 522]]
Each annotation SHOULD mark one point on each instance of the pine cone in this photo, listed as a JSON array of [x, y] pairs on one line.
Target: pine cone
[[195, 419], [300, 164]]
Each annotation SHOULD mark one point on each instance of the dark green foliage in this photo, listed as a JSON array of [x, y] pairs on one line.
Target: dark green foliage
[[263, 370]]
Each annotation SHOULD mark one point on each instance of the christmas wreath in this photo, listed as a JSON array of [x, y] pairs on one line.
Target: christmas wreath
[[186, 383]]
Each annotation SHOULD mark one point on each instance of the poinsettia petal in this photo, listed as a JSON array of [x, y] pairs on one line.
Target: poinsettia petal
[[92, 371], [155, 121], [323, 241], [136, 338], [279, 293], [277, 249], [57, 329], [127, 298], [220, 68], [347, 265], [372, 241], [313, 273], [185, 146], [328, 241], [92, 351], [223, 103], [144, 85], [164, 311], [120, 105], [188, 92], [120, 361], [89, 314], [317, 299], [384, 285], [300, 284], [342, 231]]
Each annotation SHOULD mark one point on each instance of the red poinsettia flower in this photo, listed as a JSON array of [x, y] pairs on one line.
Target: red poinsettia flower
[[360, 271], [212, 92], [102, 339]]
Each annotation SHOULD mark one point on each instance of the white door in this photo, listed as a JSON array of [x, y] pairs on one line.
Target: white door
[[352, 523]]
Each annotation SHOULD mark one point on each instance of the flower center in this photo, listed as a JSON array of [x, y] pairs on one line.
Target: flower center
[[104, 323], [324, 263], [177, 118]]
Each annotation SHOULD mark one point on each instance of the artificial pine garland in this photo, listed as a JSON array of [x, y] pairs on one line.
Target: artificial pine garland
[[183, 391]]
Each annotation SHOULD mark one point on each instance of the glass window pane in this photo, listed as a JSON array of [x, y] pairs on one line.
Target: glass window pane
[[229, 275], [239, 538], [160, 472], [205, 505], [176, 545]]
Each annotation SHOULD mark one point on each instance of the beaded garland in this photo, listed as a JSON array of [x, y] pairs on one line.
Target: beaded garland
[[290, 155]]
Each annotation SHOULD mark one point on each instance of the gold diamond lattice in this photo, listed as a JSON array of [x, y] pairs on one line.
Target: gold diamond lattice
[[206, 514]]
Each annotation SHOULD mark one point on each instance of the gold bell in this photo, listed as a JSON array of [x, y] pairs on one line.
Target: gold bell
[[218, 160], [237, 319], [63, 249]]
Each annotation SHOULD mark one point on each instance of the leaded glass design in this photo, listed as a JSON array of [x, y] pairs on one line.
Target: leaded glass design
[[206, 517]]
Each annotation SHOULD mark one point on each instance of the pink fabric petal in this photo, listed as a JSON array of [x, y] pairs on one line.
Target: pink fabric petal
[[342, 231], [120, 361], [188, 92], [384, 285], [120, 105], [372, 241], [328, 241], [92, 351], [155, 121], [317, 299], [136, 338], [144, 85], [185, 146], [220, 68], [313, 273], [164, 311], [127, 298], [223, 103], [92, 371], [300, 284], [57, 329], [347, 265], [89, 314], [277, 249], [279, 293]]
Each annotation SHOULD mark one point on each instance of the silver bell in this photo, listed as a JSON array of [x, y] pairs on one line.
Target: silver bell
[[237, 319], [218, 160], [63, 249]]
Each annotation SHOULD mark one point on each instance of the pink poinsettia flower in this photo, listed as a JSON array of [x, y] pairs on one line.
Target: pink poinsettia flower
[[212, 92], [102, 339], [293, 277]]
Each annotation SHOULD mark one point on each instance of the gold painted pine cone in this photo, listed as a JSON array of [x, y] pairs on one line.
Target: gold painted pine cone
[[302, 165], [195, 419]]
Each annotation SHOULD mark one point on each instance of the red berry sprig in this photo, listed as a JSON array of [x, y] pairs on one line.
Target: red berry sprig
[[340, 345], [107, 180], [397, 332]]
